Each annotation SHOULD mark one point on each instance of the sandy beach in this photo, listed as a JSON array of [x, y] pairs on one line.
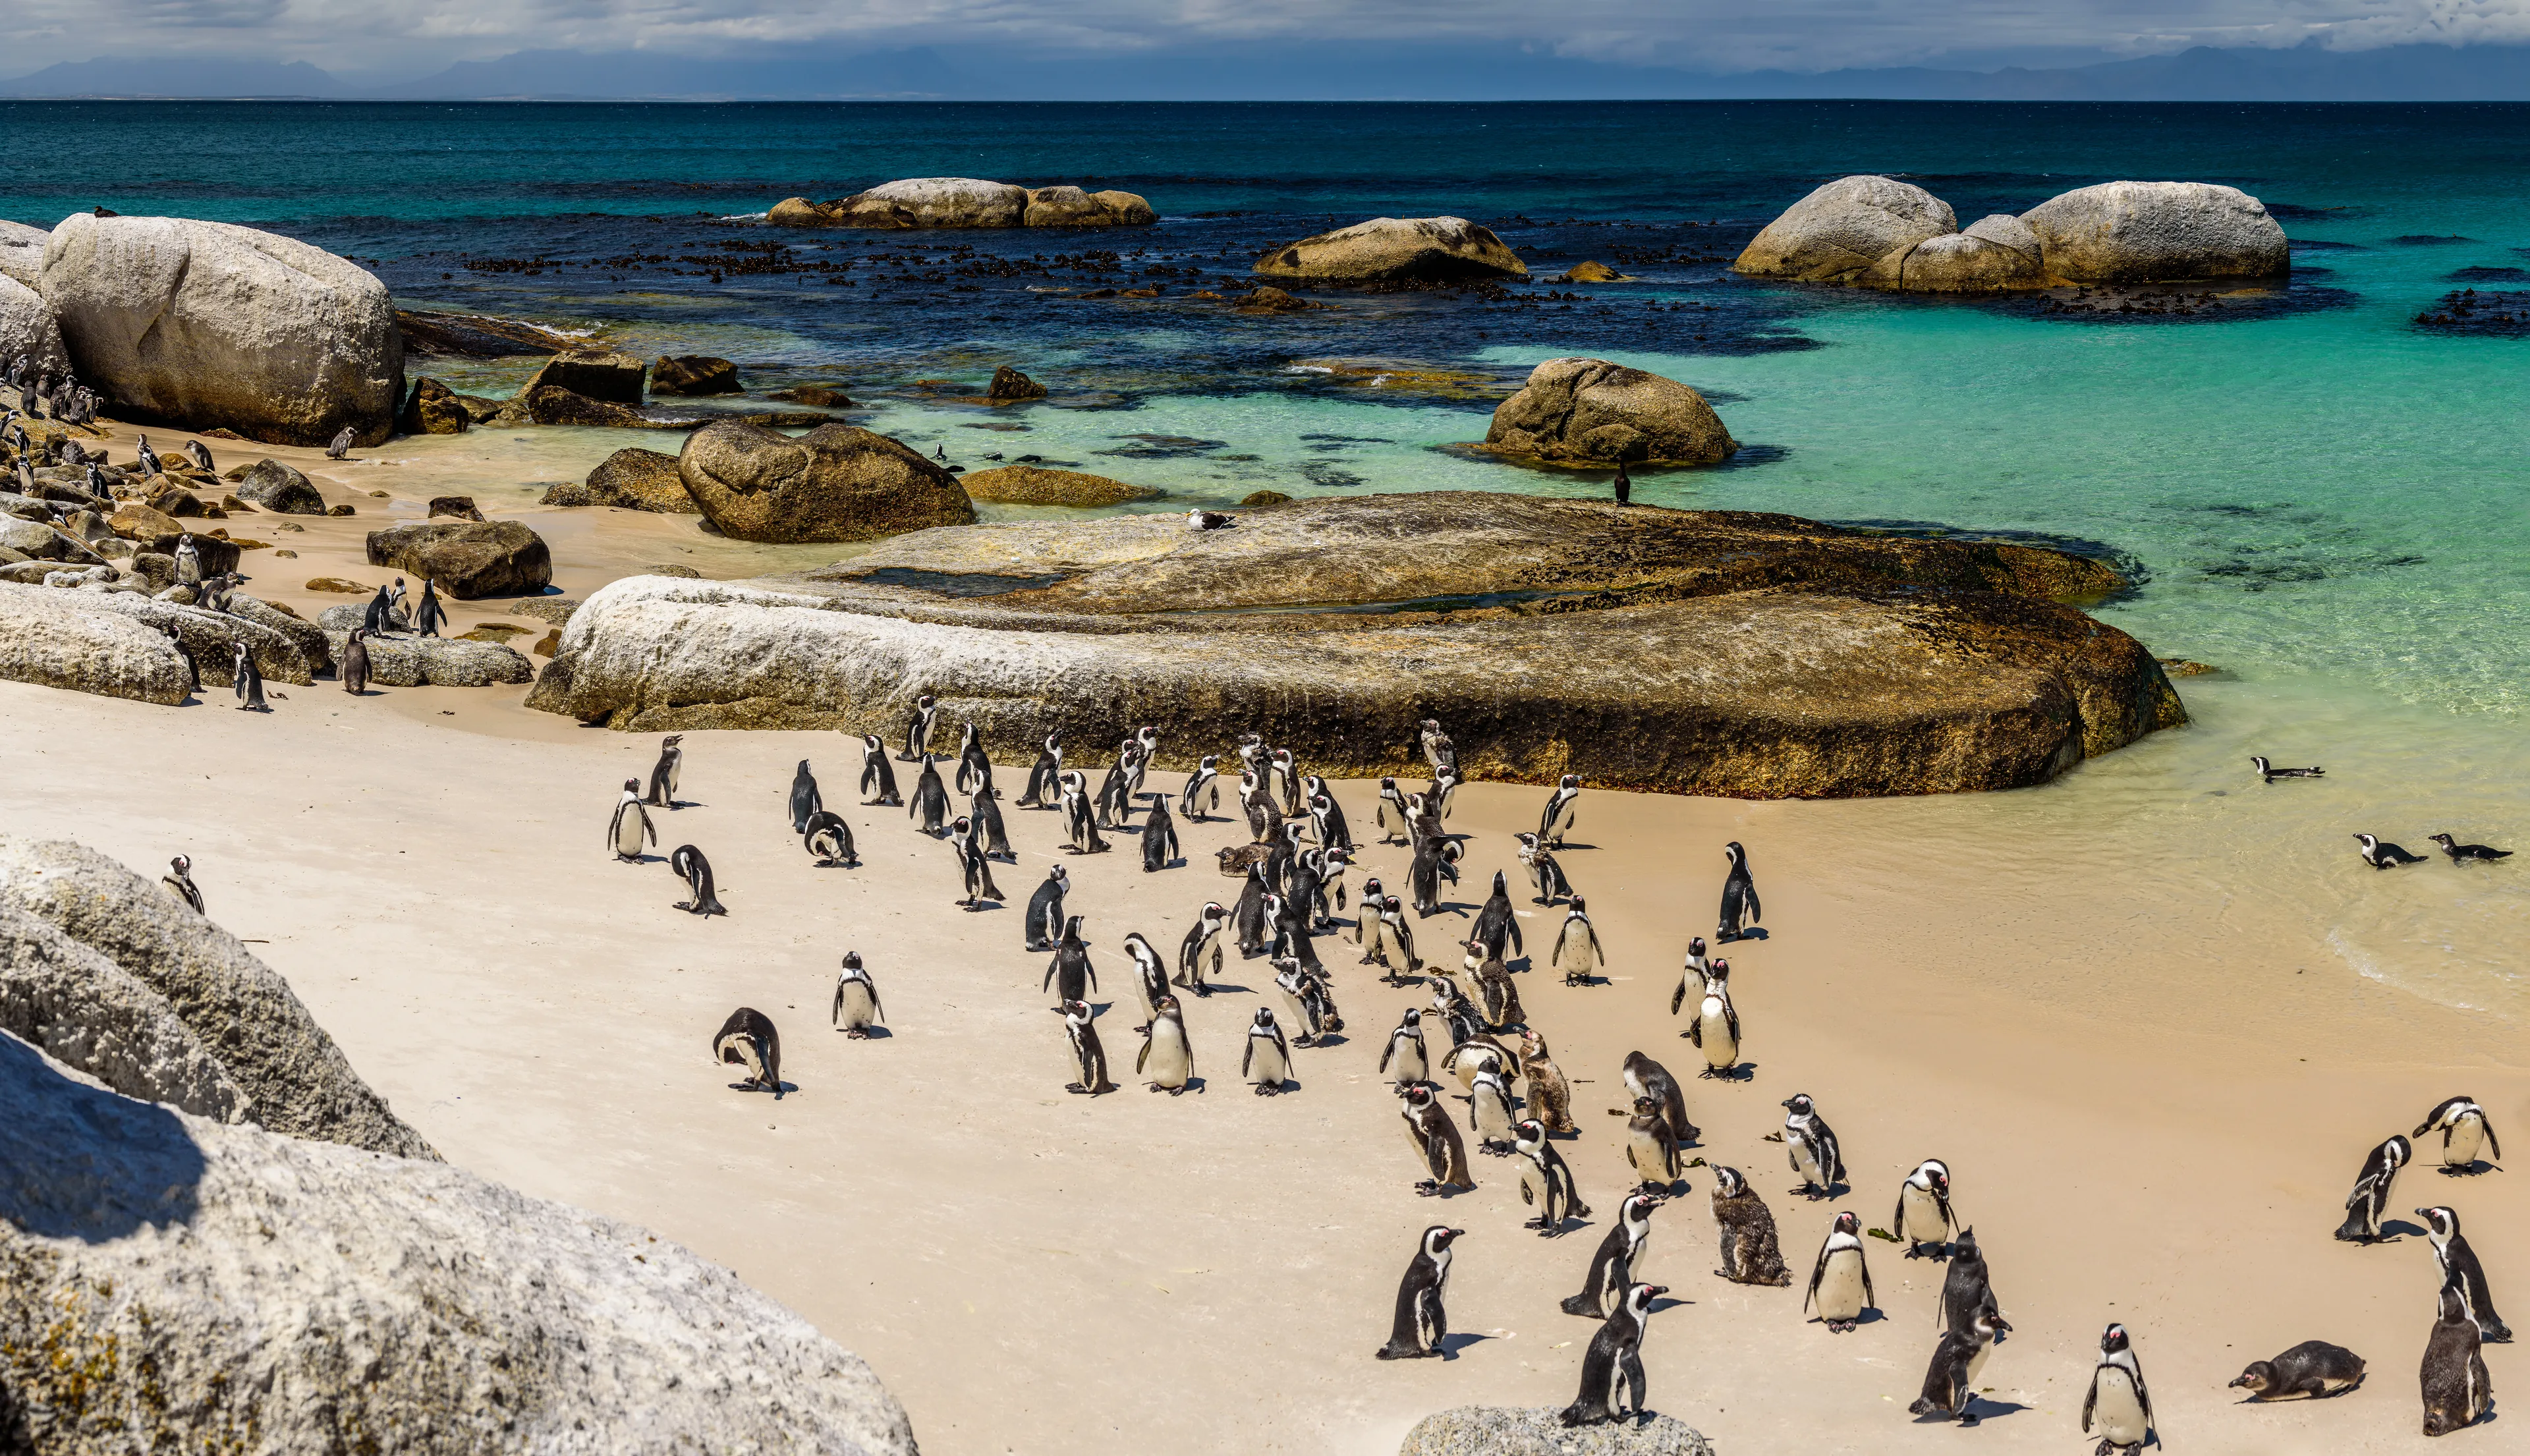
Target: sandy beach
[[2128, 1030]]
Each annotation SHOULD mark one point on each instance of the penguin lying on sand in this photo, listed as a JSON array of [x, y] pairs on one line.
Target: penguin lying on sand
[[2313, 1367]]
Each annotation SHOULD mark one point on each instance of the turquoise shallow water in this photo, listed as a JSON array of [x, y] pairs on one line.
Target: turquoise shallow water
[[2321, 498]]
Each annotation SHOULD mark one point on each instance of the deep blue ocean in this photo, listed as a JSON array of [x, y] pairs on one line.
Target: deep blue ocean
[[2318, 493]]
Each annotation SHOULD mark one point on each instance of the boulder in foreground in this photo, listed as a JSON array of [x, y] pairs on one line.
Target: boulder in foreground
[[1389, 249], [210, 324], [1590, 411], [468, 559], [836, 483], [56, 638], [1723, 652], [1509, 1430]]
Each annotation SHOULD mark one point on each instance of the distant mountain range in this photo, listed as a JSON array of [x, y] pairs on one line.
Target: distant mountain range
[[2407, 73]]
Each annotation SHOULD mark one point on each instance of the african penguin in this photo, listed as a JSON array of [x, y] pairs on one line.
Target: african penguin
[[1202, 791], [1150, 977], [2381, 854], [2456, 1390], [1071, 975], [2117, 1401], [1750, 1251], [2313, 1367], [1557, 822], [1167, 1058], [249, 682], [1420, 1325], [1652, 1148], [1815, 1155], [804, 802], [1045, 909], [992, 838], [1394, 825], [1645, 1077], [975, 767], [2460, 1268], [1621, 1251], [857, 1006], [1544, 873], [1715, 1031], [917, 730], [1545, 1180], [1438, 751], [2269, 772], [1840, 1280], [2462, 854], [696, 872], [1923, 1221], [1267, 1060], [748, 1039], [975, 869], [1738, 897], [631, 827], [829, 839], [670, 765], [429, 617], [1950, 1381], [1199, 955], [178, 880], [1577, 953], [1968, 1287], [1437, 1149], [1042, 778], [1612, 1370], [1550, 1093], [878, 775], [2464, 1129], [2371, 1196], [930, 802], [1435, 860], [355, 667], [1088, 1057], [1490, 1114], [1159, 836]]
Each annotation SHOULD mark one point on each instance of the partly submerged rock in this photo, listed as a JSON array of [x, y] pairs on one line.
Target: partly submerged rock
[[1843, 227], [205, 324], [474, 337], [2156, 232], [1010, 384], [836, 483], [468, 559], [1034, 485], [459, 508], [1506, 1431], [1994, 254], [604, 374], [1423, 250], [241, 1011], [1071, 208], [62, 639], [635, 480], [932, 202], [176, 1283], [1590, 411], [1592, 271], [692, 374], [1726, 653], [434, 409]]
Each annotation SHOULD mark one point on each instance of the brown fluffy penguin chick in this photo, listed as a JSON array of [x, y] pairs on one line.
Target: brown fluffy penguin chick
[[1549, 1091], [1750, 1251]]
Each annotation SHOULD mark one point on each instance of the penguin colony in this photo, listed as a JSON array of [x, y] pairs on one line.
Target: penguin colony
[[1472, 1046]]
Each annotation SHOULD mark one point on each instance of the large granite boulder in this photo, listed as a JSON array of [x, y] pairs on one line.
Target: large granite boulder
[[425, 661], [1991, 255], [1071, 208], [468, 559], [277, 487], [1723, 653], [638, 480], [692, 374], [552, 404], [933, 202], [311, 639], [604, 374], [57, 638], [210, 324], [1036, 485], [28, 331], [21, 253], [1844, 227], [1508, 1431], [1590, 411], [91, 1015], [2157, 232], [240, 1011], [1422, 250], [213, 637], [836, 483]]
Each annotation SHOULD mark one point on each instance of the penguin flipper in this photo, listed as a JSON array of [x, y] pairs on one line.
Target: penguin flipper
[[1676, 998], [1143, 1056], [1435, 1155]]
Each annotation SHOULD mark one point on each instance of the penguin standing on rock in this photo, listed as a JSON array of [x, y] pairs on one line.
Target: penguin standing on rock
[[1088, 1055], [857, 1006], [249, 682], [1545, 1179], [1421, 1325], [189, 562], [748, 1039], [1751, 1253], [1432, 1136], [2456, 1390], [2371, 1196], [2117, 1400], [805, 800], [671, 766], [878, 775], [1816, 1157], [2464, 1129], [178, 880], [1738, 897], [375, 618], [1840, 1280], [630, 828], [429, 617], [830, 839], [1949, 1382], [930, 802], [1045, 909], [1612, 1373], [696, 871], [2460, 1268], [1619, 1254], [1923, 1221]]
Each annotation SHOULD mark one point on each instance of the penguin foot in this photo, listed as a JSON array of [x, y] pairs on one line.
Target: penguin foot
[[1073, 1086], [1428, 1189], [857, 1034]]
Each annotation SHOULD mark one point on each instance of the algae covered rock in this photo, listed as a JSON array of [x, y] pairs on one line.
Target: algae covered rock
[[933, 202], [1034, 485], [692, 374], [1426, 249], [836, 483], [1071, 208], [635, 480], [1590, 411]]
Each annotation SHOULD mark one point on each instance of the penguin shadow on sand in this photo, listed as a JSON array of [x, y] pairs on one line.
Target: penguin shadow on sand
[[1748, 932], [2395, 1229], [1979, 1409], [779, 1089]]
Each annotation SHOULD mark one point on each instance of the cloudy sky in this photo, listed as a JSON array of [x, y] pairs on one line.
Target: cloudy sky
[[410, 36]]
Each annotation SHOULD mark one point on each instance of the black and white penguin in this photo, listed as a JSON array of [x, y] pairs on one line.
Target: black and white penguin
[[671, 766], [375, 618], [1558, 819], [1326, 816], [975, 766], [1651, 1147], [2456, 1390], [341, 445], [2462, 854], [856, 1007], [1968, 1285], [2464, 1129], [1715, 1031], [148, 458], [991, 835], [1396, 826], [1435, 860], [2313, 1368], [1267, 1061], [696, 872], [1923, 1221], [1751, 1254], [1499, 995], [1159, 835], [178, 880], [1840, 1280], [1738, 897], [429, 617], [1438, 1150], [1088, 1054], [2371, 1196], [1257, 802], [1167, 1056], [1576, 946], [1645, 1077], [2117, 1401], [1438, 751], [631, 829], [1620, 1252], [1071, 975], [805, 799], [829, 839], [2459, 1267], [1289, 934], [1420, 1325], [2381, 854], [1497, 928], [1042, 778], [1150, 975], [1613, 1384], [1490, 1114], [748, 1039], [396, 615], [1299, 1002], [975, 869], [1112, 804], [1079, 820], [930, 802], [248, 679], [189, 562], [1255, 931], [1816, 1157], [917, 730], [2269, 772], [1691, 981], [355, 667], [1545, 1179], [202, 454], [1045, 909], [1405, 1052], [1950, 1381], [878, 775], [1200, 953], [1202, 791], [1545, 874]]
